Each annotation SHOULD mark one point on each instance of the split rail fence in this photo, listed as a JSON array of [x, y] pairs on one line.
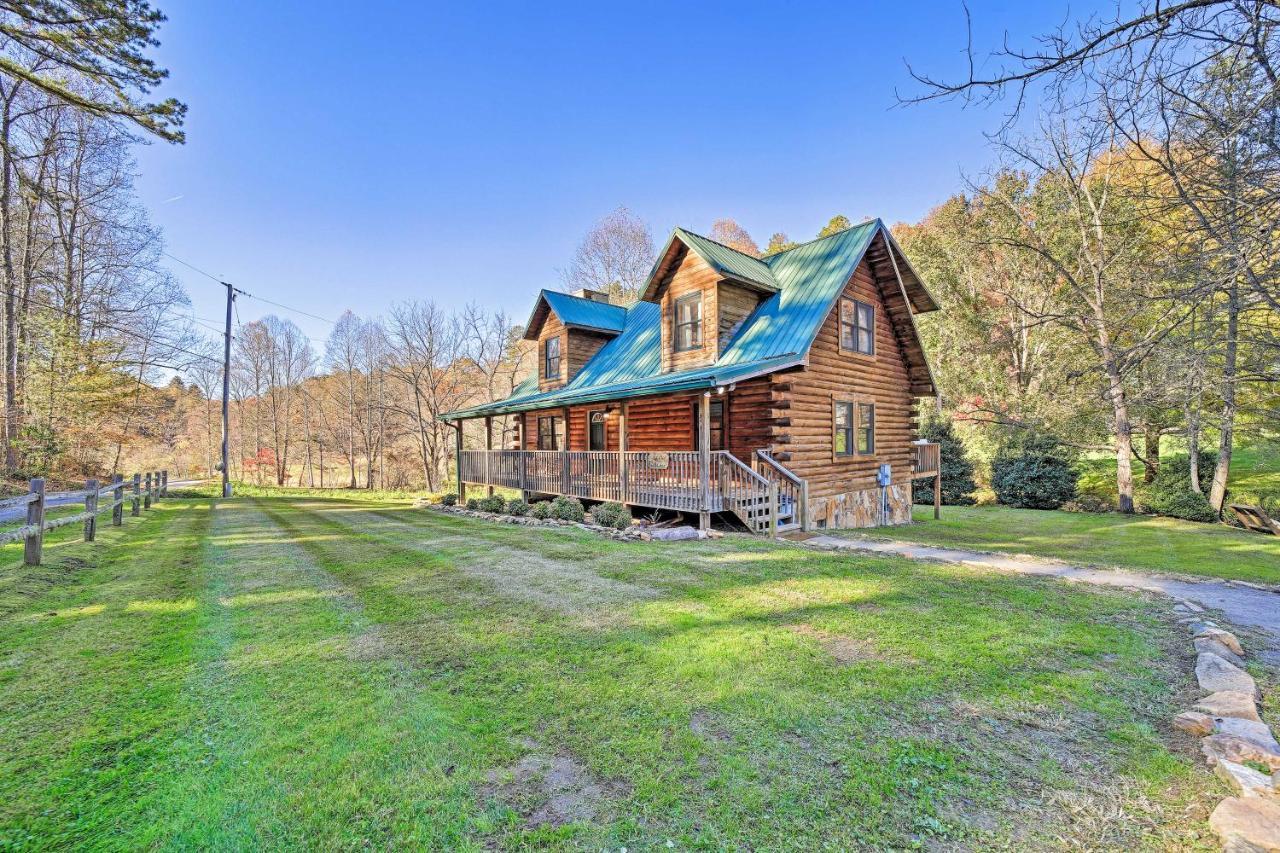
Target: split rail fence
[[140, 491]]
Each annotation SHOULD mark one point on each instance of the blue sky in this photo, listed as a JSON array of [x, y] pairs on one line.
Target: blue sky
[[351, 155]]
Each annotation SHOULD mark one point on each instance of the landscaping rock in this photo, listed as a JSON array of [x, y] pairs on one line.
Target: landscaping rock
[[1245, 781], [1214, 674], [1199, 625], [1227, 638], [1229, 703], [1249, 824], [1210, 646], [1194, 723], [1235, 748], [1259, 733], [1185, 606], [674, 534]]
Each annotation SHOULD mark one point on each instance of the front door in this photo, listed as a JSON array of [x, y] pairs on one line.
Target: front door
[[717, 425], [595, 431]]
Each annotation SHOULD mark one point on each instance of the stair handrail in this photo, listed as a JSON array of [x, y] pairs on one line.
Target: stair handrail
[[752, 487], [799, 486]]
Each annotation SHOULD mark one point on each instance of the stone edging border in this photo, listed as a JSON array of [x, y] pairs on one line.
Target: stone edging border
[[1234, 739]]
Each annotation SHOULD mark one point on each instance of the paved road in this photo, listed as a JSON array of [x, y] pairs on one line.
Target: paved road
[[1243, 605], [52, 500]]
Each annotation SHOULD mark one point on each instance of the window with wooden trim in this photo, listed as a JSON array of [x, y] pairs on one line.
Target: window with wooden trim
[[551, 359], [853, 428], [866, 436], [842, 430], [857, 327], [717, 425], [688, 322], [549, 432]]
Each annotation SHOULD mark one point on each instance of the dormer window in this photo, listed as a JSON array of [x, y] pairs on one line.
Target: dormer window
[[857, 327], [552, 367], [688, 316]]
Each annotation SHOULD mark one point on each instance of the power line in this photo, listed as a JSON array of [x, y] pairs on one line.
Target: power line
[[213, 277], [117, 329]]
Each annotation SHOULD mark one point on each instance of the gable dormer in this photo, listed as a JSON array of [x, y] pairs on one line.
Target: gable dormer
[[706, 291], [570, 329]]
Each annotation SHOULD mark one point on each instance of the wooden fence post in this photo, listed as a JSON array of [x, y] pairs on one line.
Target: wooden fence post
[[164, 483], [35, 518], [146, 496], [137, 495], [91, 509], [117, 500]]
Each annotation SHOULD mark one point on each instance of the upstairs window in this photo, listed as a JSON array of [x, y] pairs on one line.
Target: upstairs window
[[549, 433], [857, 327], [551, 368], [689, 322]]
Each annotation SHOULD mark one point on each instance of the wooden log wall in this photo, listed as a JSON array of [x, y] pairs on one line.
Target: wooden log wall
[[734, 303], [692, 275], [803, 433]]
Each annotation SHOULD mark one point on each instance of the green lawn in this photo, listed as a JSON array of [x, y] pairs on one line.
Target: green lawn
[[1145, 542], [298, 672]]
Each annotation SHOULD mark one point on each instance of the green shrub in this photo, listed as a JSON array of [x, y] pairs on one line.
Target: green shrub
[[472, 503], [516, 506], [1033, 471], [567, 509], [493, 503], [957, 471], [449, 499], [613, 515], [1170, 492], [540, 510]]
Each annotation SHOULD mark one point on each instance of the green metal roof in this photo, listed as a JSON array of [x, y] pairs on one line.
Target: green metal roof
[[728, 262], [778, 334]]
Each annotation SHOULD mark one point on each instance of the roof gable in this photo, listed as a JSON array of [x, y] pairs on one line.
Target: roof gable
[[729, 263], [806, 282], [574, 311]]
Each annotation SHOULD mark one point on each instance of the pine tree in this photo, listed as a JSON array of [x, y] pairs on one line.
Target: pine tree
[[957, 470]]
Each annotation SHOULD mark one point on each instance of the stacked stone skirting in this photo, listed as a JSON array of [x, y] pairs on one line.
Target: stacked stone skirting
[[1235, 741]]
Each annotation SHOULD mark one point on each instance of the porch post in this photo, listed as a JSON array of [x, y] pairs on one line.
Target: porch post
[[564, 455], [937, 486], [457, 458], [488, 456], [524, 454], [704, 459], [622, 454]]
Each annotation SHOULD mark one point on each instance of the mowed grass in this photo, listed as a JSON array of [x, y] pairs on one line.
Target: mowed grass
[[301, 673], [1142, 542]]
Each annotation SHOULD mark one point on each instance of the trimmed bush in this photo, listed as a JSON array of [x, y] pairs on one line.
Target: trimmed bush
[[449, 499], [493, 503], [472, 503], [567, 509], [1034, 472], [613, 515], [516, 506], [1170, 493], [540, 510], [957, 471]]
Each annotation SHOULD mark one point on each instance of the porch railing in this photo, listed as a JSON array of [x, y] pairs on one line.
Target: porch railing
[[928, 458], [669, 479]]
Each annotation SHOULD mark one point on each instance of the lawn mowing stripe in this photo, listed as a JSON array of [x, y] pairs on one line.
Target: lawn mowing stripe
[[304, 732]]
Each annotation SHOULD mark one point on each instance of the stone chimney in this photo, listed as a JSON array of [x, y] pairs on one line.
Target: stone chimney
[[593, 295]]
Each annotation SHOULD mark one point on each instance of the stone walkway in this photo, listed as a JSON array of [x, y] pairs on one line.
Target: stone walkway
[[1256, 608]]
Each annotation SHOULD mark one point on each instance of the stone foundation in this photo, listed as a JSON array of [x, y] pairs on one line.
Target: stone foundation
[[860, 508]]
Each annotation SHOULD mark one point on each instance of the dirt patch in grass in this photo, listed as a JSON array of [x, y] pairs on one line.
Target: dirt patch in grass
[[369, 645], [704, 724], [847, 650], [551, 790]]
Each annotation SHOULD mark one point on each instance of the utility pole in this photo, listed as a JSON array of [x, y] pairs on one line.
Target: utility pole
[[226, 393]]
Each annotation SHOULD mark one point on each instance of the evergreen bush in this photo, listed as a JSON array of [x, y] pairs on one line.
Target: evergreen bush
[[449, 499], [540, 510], [1034, 472], [493, 503], [613, 515], [1171, 494], [567, 509], [516, 506], [957, 470]]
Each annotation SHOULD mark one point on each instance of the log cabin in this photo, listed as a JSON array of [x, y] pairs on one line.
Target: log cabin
[[780, 391]]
